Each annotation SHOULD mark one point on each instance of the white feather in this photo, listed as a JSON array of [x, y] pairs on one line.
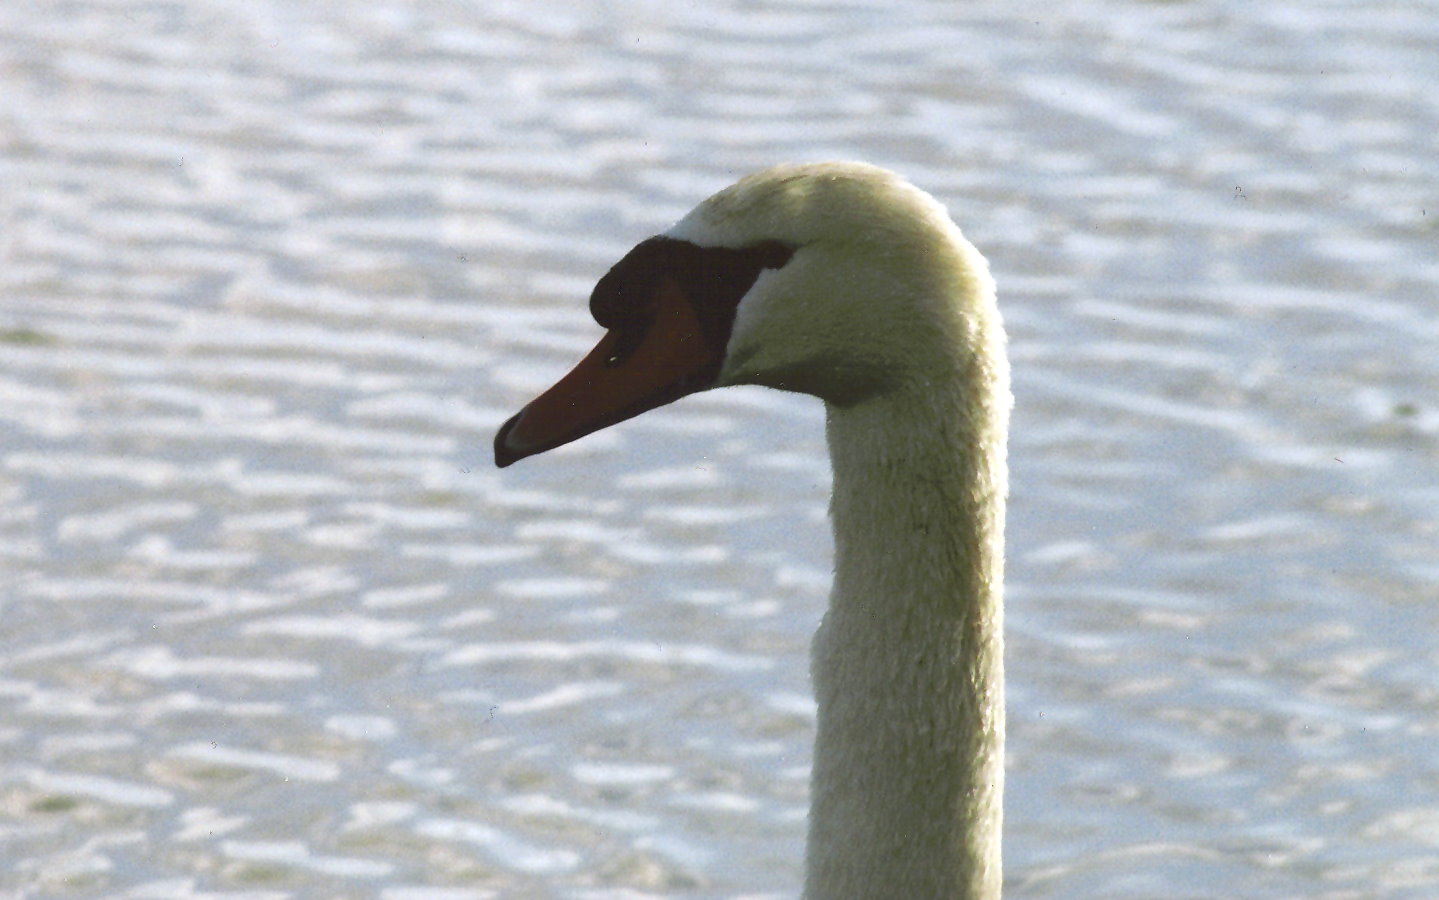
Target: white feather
[[888, 314]]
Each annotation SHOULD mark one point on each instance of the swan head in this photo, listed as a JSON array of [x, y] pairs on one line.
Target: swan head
[[839, 280]]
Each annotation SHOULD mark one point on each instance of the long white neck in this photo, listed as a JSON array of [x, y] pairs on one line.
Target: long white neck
[[908, 663]]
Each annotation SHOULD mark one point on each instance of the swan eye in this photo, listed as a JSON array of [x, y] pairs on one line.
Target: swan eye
[[627, 341]]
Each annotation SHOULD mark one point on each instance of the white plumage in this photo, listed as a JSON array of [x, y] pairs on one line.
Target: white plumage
[[888, 314]]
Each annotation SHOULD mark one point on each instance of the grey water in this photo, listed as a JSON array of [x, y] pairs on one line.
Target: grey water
[[271, 274]]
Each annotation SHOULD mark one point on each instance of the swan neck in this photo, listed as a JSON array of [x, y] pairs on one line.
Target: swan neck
[[908, 662]]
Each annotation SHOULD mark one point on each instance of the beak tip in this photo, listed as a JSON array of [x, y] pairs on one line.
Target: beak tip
[[505, 454]]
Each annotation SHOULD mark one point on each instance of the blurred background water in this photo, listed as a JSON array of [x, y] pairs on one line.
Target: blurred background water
[[271, 274]]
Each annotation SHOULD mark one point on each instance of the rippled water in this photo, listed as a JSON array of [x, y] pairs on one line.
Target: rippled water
[[271, 274]]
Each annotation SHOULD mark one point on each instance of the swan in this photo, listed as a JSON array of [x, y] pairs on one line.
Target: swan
[[843, 281]]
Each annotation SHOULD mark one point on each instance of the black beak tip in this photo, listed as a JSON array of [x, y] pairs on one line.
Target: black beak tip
[[506, 455]]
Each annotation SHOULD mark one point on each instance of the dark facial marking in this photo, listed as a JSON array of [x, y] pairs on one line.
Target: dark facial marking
[[712, 279]]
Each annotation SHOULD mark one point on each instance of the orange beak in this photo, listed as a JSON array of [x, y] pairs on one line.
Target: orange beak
[[672, 359]]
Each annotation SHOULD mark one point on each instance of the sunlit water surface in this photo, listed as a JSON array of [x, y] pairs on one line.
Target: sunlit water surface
[[271, 274]]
